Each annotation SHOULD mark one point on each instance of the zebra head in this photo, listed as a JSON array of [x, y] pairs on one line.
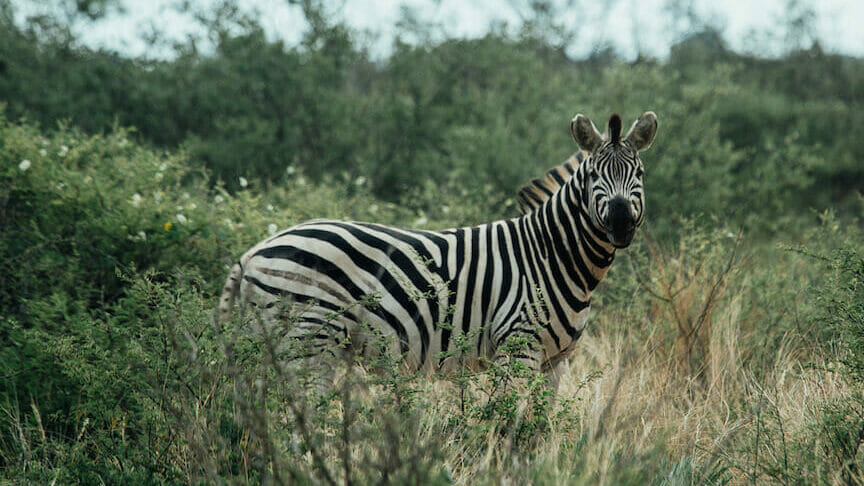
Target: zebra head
[[612, 174]]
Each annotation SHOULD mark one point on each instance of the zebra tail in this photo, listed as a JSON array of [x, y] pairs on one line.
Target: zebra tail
[[231, 289]]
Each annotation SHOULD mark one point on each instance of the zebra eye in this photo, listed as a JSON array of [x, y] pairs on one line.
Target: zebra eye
[[593, 172], [639, 172]]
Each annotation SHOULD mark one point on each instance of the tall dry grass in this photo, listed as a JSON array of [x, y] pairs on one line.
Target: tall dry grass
[[677, 377], [686, 375]]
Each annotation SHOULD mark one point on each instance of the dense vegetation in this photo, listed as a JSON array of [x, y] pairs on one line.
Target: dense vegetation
[[727, 345]]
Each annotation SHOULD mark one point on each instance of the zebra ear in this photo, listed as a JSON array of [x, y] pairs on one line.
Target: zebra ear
[[641, 134], [585, 133]]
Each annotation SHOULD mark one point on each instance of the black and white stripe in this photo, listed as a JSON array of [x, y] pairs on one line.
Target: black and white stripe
[[531, 276]]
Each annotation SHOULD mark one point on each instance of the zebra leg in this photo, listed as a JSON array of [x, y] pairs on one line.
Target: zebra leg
[[320, 350], [307, 344], [553, 377], [317, 373], [555, 372], [520, 346]]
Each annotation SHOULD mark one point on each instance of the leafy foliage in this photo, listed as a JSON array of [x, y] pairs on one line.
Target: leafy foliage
[[712, 357], [740, 131]]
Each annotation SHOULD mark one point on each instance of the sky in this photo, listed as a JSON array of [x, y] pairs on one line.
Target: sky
[[629, 26]]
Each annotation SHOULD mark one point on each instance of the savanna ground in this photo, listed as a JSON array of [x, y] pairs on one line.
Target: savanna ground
[[726, 346]]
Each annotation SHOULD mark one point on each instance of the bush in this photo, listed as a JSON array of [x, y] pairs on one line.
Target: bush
[[709, 357], [843, 297], [755, 141], [106, 246]]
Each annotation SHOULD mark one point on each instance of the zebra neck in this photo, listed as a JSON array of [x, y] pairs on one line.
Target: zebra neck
[[567, 240], [596, 237]]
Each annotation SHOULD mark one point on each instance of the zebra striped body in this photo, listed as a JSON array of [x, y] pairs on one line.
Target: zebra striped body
[[530, 276]]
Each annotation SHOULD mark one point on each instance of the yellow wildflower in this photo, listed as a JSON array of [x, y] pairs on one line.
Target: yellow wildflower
[[167, 226]]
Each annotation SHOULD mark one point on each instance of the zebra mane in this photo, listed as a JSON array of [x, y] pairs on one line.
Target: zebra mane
[[536, 192]]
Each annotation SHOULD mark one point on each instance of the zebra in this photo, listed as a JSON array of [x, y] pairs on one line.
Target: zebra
[[353, 284]]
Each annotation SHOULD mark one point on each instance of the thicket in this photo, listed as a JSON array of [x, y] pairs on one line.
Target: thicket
[[726, 346], [748, 135], [113, 370]]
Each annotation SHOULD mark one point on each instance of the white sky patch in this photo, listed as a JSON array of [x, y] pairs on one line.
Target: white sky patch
[[281, 21], [630, 26]]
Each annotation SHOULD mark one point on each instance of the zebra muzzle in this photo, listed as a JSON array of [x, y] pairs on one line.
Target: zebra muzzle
[[620, 222]]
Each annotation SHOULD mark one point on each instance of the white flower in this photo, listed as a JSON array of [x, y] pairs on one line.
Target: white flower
[[159, 176], [123, 142], [162, 167], [186, 195], [271, 228], [422, 220], [219, 199], [445, 209], [180, 218], [24, 165], [360, 181], [228, 223], [63, 151], [136, 199], [243, 182], [192, 206], [43, 152], [290, 170], [373, 208], [142, 236], [157, 196], [270, 207], [301, 181]]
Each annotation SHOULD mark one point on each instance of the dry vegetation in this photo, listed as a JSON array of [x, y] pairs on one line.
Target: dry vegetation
[[665, 388], [726, 346]]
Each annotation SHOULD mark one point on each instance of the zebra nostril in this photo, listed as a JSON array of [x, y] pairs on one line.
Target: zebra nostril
[[620, 219]]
